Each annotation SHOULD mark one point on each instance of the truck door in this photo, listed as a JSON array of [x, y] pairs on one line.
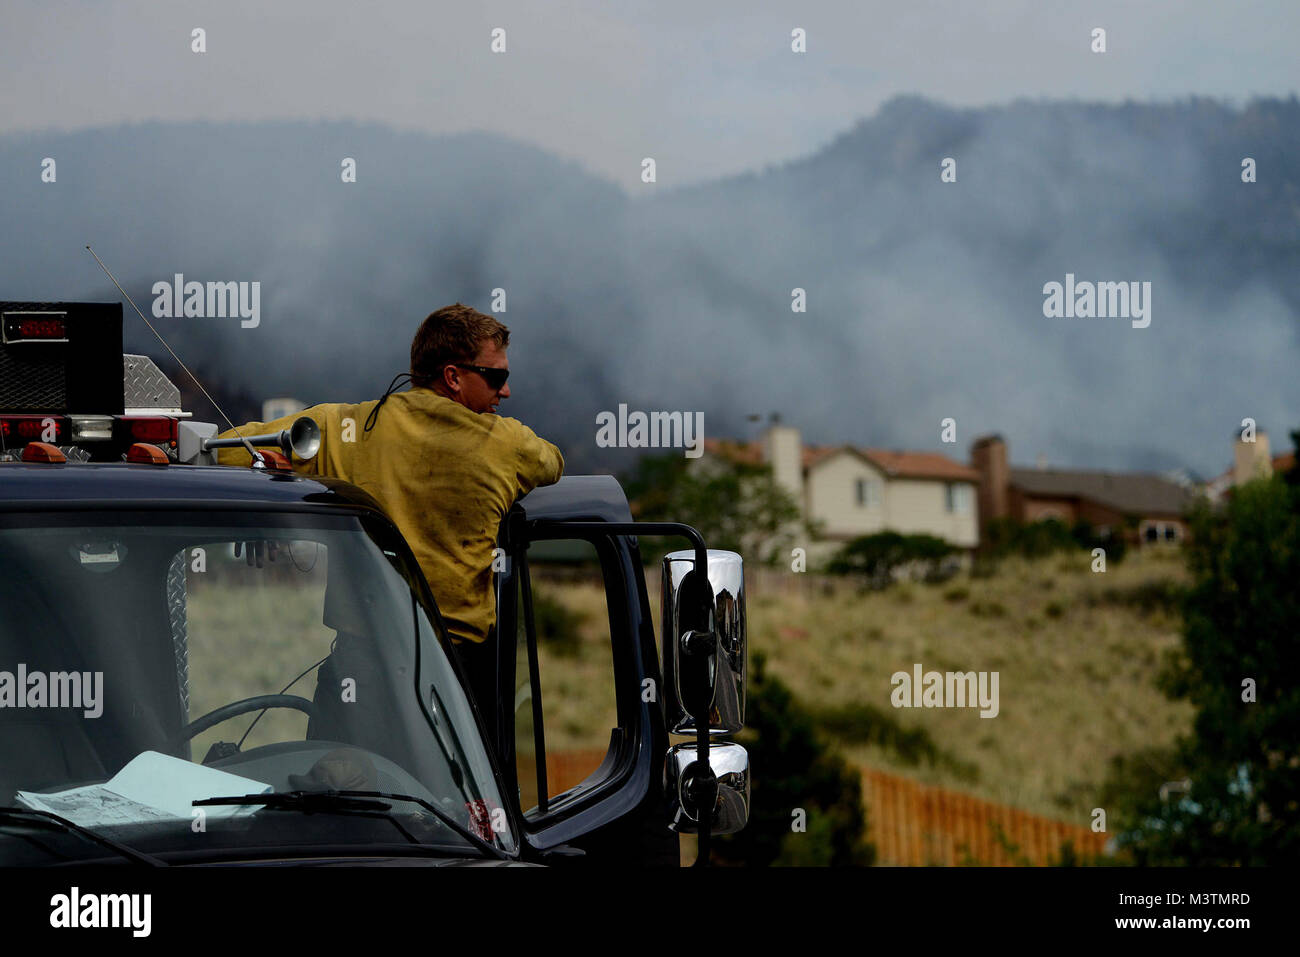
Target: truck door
[[581, 734]]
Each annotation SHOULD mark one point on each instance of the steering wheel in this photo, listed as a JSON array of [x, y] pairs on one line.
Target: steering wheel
[[236, 708]]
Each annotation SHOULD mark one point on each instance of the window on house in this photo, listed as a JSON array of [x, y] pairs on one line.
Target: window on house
[[957, 498], [868, 493], [1171, 533], [1153, 532]]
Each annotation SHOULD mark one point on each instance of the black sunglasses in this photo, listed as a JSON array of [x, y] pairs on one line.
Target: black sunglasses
[[495, 378]]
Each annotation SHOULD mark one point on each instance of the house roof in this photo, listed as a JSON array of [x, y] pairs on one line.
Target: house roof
[[1134, 493], [816, 454], [923, 465], [894, 463]]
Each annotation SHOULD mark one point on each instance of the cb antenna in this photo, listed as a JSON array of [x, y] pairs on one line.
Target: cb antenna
[[247, 444]]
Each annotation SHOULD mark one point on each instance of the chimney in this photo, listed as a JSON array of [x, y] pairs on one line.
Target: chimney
[[783, 450], [988, 456], [1251, 460]]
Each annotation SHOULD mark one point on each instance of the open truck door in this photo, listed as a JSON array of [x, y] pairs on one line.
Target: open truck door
[[631, 800]]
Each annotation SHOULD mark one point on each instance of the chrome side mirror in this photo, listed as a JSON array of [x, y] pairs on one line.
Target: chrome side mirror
[[686, 781], [715, 673]]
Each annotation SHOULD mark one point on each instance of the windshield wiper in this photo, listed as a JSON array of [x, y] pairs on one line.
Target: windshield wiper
[[364, 803], [59, 823]]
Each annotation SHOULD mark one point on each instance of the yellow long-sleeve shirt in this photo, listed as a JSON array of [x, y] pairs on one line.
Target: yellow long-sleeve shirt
[[445, 475]]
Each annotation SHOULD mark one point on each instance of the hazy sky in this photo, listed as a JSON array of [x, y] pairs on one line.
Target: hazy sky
[[707, 89], [910, 313]]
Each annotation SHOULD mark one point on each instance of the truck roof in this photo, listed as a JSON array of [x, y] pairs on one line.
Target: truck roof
[[31, 486]]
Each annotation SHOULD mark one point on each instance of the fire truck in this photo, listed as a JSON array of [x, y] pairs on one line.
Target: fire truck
[[207, 664]]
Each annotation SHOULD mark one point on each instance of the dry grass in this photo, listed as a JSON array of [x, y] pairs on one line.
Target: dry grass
[[1076, 653], [577, 683]]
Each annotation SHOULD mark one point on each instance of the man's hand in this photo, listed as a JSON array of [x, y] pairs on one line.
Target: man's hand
[[258, 551]]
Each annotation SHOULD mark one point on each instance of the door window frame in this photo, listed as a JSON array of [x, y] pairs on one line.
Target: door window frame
[[626, 739]]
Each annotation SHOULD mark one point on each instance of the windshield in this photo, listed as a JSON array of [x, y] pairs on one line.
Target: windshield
[[137, 651]]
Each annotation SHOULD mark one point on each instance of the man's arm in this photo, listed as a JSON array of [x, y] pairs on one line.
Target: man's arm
[[327, 417], [540, 462]]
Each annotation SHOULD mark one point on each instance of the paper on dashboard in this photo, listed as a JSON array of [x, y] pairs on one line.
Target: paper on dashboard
[[151, 787]]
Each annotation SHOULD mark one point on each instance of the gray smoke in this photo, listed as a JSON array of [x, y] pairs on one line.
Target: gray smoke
[[924, 298]]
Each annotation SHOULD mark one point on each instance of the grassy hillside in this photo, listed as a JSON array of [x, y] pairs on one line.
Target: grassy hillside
[[1077, 655]]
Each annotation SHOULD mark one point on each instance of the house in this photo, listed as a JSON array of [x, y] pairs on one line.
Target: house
[[851, 491], [1151, 504], [280, 407], [1250, 459]]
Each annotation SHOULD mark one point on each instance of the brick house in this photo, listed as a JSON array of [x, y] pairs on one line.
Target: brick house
[[1151, 504]]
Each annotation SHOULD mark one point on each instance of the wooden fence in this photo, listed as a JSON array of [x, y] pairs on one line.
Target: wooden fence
[[917, 824], [909, 823]]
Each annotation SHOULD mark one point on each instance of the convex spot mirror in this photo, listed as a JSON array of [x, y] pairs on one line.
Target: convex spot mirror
[[687, 785], [704, 651]]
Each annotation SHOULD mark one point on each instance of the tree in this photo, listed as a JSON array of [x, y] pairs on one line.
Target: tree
[[734, 505], [1240, 668], [793, 771]]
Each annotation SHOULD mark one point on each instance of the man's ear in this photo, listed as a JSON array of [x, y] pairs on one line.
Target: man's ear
[[451, 379]]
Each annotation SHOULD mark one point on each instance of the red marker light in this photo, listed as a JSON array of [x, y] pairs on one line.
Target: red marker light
[[34, 327], [153, 429], [31, 428], [42, 329]]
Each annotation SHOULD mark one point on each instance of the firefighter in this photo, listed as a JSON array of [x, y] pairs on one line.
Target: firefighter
[[444, 466]]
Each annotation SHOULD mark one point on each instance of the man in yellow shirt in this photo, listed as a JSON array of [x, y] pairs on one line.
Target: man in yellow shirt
[[444, 466]]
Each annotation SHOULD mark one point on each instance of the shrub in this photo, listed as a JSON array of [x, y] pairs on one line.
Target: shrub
[[876, 558], [1006, 536]]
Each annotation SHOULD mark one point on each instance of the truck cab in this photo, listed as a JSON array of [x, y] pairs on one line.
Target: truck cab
[[207, 664]]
